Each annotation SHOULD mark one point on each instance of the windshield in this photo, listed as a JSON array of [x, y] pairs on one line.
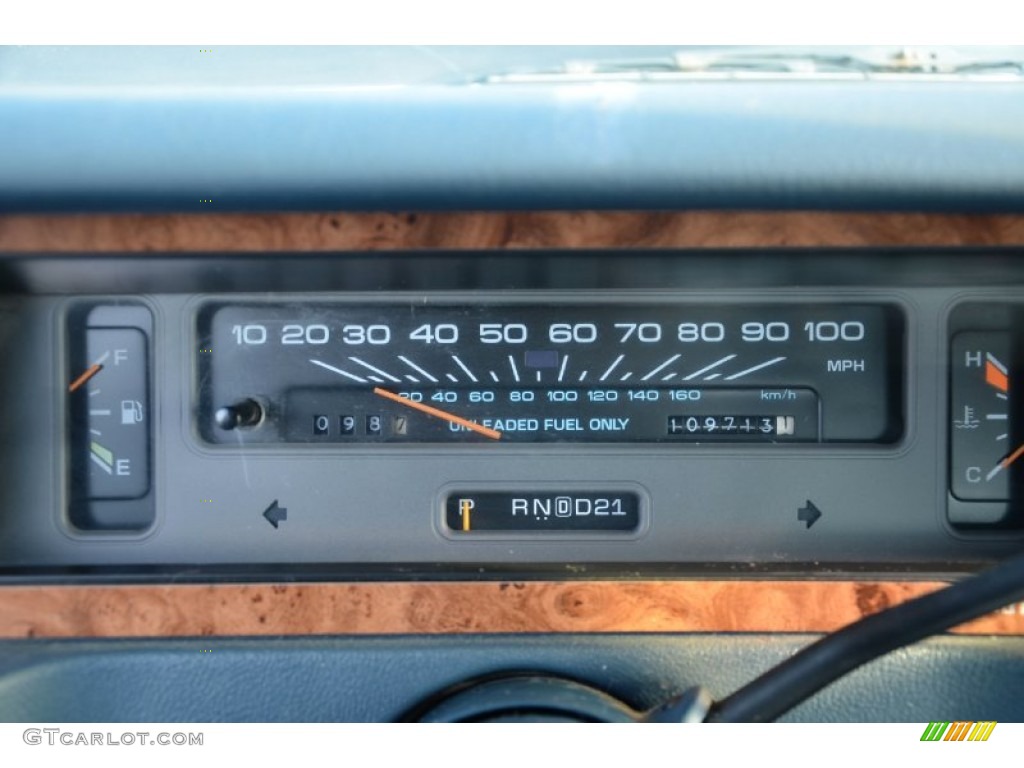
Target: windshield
[[83, 67]]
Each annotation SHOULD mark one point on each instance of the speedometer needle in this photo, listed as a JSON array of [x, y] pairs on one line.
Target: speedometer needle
[[437, 412]]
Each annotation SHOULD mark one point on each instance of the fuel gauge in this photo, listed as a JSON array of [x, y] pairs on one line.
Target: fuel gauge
[[108, 418]]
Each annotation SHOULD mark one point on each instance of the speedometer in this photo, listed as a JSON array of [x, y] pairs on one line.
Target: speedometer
[[415, 371]]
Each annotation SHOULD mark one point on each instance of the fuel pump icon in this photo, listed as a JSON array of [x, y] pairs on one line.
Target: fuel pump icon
[[131, 412]]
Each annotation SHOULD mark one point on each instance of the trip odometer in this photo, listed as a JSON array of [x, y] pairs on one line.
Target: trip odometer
[[414, 372]]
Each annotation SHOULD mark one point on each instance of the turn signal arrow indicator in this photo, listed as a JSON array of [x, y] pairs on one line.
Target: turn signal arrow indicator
[[809, 514], [275, 514]]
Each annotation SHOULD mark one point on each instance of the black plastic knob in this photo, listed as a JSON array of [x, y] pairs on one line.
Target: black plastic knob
[[246, 413]]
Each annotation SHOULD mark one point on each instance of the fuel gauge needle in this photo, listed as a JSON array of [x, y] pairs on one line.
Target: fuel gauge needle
[[1005, 463], [438, 413], [89, 372]]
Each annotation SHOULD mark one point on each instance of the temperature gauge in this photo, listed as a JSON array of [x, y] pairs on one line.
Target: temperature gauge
[[985, 454], [986, 442]]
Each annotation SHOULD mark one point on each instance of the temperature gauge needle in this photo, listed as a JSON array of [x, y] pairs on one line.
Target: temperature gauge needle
[[1005, 463], [91, 371], [485, 431]]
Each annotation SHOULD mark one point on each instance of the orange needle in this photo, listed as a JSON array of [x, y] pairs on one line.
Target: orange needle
[[91, 371], [485, 431], [1005, 463]]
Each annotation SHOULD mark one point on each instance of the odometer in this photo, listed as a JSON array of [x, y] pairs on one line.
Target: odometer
[[414, 372]]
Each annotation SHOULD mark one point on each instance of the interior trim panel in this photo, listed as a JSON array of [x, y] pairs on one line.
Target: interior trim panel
[[384, 679], [427, 608], [786, 143], [215, 231]]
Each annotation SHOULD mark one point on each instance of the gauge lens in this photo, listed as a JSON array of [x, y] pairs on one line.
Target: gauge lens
[[985, 452], [109, 415], [319, 372]]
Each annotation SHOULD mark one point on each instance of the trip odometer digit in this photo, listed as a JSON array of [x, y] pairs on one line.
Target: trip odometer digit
[[351, 373]]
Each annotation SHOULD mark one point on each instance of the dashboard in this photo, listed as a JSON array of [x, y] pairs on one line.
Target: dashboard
[[605, 412], [697, 389], [226, 513]]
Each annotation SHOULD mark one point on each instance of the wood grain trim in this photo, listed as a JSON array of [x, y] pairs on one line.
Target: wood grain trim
[[430, 608], [583, 229]]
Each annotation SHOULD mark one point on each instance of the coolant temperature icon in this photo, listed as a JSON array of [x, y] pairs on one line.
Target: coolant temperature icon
[[967, 421]]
